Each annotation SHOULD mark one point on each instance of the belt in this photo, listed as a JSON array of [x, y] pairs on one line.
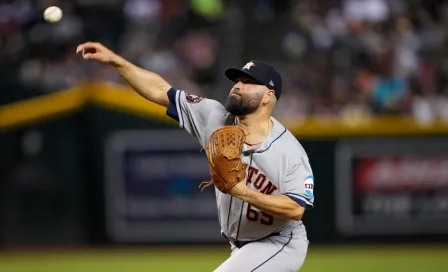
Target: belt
[[240, 244]]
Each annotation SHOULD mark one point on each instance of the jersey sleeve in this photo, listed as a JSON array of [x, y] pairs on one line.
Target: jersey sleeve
[[299, 183], [195, 114]]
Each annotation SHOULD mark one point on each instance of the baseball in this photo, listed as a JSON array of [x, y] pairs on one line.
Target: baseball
[[53, 14]]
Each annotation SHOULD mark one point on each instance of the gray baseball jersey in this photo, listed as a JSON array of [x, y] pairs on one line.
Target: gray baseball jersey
[[279, 165]]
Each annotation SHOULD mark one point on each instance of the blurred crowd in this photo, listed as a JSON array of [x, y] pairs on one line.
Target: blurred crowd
[[171, 37], [358, 58], [338, 58]]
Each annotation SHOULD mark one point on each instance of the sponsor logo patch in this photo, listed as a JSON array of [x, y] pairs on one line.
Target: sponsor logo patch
[[309, 186]]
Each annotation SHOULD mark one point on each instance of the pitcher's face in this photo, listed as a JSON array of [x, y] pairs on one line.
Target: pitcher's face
[[245, 97]]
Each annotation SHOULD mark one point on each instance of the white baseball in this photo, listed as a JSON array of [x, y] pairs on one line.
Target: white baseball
[[53, 14]]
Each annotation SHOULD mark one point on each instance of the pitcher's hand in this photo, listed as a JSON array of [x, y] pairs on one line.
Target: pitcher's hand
[[97, 51]]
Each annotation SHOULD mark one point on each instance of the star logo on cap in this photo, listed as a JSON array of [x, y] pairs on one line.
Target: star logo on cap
[[248, 65]]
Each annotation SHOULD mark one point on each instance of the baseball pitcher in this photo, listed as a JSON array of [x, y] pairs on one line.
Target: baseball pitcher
[[261, 174]]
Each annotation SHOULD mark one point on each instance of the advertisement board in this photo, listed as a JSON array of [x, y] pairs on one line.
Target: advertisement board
[[152, 194], [391, 186]]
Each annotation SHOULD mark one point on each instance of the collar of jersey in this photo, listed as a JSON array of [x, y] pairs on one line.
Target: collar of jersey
[[276, 132]]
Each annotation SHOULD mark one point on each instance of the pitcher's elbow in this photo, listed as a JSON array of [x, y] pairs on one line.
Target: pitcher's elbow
[[297, 214]]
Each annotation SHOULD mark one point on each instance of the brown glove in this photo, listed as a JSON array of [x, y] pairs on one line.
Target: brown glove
[[224, 153]]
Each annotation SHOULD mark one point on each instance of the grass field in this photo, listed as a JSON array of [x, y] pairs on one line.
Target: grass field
[[424, 259]]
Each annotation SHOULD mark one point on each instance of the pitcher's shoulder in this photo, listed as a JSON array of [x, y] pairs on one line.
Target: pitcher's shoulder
[[285, 141], [211, 110], [293, 144]]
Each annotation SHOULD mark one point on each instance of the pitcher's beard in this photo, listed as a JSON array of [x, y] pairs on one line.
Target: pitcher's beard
[[238, 106]]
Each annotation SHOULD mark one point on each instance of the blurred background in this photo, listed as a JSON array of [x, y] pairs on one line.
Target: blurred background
[[94, 178]]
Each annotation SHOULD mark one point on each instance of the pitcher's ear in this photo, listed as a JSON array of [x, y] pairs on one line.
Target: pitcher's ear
[[269, 96]]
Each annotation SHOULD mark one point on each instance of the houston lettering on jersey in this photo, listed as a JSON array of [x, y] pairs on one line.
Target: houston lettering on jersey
[[260, 181]]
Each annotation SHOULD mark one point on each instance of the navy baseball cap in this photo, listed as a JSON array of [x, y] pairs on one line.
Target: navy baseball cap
[[260, 71]]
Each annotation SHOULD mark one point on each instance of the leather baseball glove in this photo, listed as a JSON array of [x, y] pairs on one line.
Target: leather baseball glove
[[224, 154]]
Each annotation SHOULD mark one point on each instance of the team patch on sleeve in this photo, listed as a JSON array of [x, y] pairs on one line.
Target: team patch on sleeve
[[191, 98], [309, 186]]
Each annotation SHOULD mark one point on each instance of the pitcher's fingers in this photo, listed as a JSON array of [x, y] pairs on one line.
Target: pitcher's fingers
[[91, 45], [83, 46], [79, 48], [87, 56]]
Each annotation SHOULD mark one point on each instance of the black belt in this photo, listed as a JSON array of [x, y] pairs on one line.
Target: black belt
[[240, 244]]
